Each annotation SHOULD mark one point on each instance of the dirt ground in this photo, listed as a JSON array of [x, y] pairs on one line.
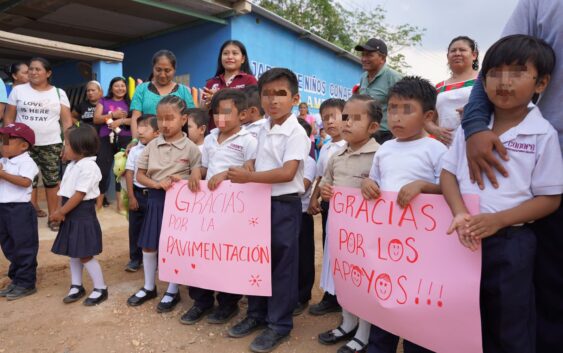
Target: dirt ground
[[42, 323]]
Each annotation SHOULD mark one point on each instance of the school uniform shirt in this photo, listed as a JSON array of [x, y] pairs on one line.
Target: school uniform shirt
[[309, 173], [233, 152], [327, 151], [279, 144], [535, 165], [398, 163], [40, 110], [162, 159], [84, 176], [254, 127], [131, 163], [200, 147], [238, 81], [22, 166], [349, 168]]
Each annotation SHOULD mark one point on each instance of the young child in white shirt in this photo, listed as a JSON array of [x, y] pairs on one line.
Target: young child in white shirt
[[19, 239]]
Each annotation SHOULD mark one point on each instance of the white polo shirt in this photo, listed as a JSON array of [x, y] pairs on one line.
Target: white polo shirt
[[84, 176], [398, 163], [233, 152], [535, 165], [326, 152], [255, 127], [280, 144], [23, 166], [309, 173], [131, 164]]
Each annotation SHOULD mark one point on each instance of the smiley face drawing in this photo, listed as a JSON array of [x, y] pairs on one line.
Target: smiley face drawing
[[383, 286], [395, 249], [356, 275]]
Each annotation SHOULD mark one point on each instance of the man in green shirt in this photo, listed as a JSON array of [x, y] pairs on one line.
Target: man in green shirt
[[377, 79]]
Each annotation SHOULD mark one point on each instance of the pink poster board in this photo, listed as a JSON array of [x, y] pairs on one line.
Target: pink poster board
[[218, 240], [398, 269]]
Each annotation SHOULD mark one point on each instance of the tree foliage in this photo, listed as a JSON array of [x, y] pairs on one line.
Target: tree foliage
[[331, 21]]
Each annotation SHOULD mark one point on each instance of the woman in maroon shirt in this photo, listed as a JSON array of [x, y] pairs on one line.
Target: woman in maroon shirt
[[233, 71]]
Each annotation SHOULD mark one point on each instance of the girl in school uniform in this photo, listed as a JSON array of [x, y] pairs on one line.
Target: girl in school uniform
[[168, 158], [80, 235]]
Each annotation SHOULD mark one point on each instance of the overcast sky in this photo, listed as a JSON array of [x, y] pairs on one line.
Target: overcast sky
[[482, 20]]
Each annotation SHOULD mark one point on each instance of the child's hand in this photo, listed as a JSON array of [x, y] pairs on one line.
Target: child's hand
[[408, 192], [165, 184], [483, 225], [370, 190], [193, 182], [238, 175], [314, 207], [57, 216], [326, 192], [249, 165], [215, 180], [133, 203], [459, 225]]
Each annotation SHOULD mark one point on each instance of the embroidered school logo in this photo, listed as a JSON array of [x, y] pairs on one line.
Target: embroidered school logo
[[520, 147], [235, 147]]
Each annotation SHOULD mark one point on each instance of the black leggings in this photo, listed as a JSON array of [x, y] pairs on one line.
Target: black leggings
[[105, 159]]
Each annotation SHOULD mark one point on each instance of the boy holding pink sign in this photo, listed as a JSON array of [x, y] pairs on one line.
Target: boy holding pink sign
[[282, 149], [409, 164], [227, 146], [514, 69]]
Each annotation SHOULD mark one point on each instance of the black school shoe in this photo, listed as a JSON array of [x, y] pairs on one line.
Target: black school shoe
[[194, 314], [98, 300], [346, 349], [245, 327], [330, 338], [4, 292], [136, 301], [324, 307], [169, 306], [222, 315], [267, 341], [300, 308], [71, 298], [20, 292]]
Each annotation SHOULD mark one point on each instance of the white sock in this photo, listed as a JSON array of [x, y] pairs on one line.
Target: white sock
[[349, 322], [362, 335], [75, 274], [95, 271], [149, 268], [173, 289]]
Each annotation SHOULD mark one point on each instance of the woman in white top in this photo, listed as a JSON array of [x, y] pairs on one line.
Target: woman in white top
[[42, 107], [453, 93]]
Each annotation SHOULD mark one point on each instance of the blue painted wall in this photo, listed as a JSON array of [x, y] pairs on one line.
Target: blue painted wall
[[322, 74]]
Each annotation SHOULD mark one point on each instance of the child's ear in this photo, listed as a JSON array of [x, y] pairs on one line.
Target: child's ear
[[242, 114], [295, 99], [202, 129], [373, 127], [542, 83], [429, 115]]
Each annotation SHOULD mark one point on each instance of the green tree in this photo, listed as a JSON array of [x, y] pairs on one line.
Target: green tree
[[331, 21]]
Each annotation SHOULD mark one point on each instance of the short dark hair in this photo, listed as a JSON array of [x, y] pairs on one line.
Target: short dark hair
[[417, 88], [238, 98], [199, 116], [375, 113], [245, 67], [148, 119], [253, 98], [83, 140], [332, 103], [305, 125], [518, 49], [164, 53], [279, 73]]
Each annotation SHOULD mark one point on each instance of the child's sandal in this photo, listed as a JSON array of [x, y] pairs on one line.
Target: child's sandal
[[54, 225]]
